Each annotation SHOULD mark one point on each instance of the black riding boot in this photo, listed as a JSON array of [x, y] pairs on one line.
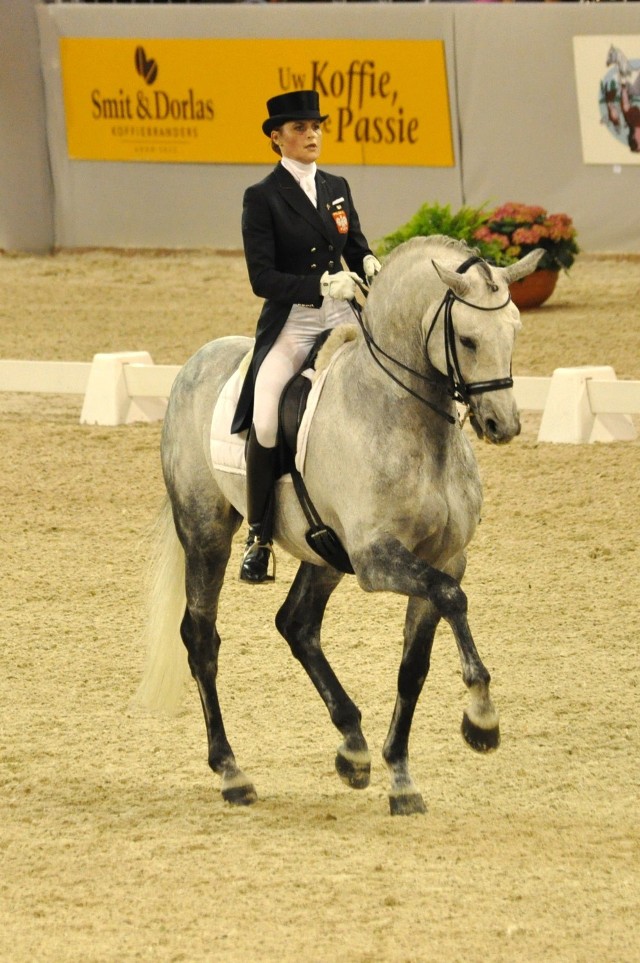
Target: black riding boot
[[261, 465]]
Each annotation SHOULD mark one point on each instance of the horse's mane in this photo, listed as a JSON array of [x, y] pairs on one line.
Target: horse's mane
[[432, 240], [419, 243]]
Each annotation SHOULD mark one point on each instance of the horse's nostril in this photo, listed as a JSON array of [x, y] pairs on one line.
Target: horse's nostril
[[491, 427]]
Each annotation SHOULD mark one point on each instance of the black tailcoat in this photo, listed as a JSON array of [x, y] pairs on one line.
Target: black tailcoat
[[288, 245]]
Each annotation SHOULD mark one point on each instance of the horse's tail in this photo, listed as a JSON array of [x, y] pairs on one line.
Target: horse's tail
[[166, 670]]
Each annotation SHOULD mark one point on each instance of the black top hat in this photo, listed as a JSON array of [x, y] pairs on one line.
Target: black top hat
[[298, 105]]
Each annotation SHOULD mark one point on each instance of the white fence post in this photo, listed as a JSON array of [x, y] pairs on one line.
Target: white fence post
[[568, 416], [107, 400]]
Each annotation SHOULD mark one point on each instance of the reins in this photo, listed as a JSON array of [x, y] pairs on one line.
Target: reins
[[371, 344], [457, 388]]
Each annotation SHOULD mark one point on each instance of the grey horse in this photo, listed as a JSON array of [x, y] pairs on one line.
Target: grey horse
[[389, 469]]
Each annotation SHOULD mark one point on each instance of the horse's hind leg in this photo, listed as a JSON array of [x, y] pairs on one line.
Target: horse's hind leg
[[299, 621], [207, 548]]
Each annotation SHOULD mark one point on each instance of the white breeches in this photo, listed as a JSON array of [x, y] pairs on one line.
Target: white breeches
[[285, 357]]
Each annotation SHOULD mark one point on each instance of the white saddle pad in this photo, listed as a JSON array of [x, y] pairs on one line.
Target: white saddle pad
[[227, 450]]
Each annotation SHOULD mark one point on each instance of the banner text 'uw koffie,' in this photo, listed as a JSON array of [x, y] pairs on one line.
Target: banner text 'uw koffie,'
[[172, 101]]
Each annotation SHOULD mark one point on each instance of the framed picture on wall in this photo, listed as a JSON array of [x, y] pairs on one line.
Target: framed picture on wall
[[608, 89]]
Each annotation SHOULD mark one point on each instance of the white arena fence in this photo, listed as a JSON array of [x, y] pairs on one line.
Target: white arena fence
[[578, 405]]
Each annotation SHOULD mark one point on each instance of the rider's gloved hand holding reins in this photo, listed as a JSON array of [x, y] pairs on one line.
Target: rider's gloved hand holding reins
[[371, 266], [342, 286]]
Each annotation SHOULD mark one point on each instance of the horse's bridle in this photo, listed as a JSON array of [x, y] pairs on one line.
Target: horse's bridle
[[457, 387]]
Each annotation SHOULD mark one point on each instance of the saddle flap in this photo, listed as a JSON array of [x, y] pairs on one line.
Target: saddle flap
[[293, 402]]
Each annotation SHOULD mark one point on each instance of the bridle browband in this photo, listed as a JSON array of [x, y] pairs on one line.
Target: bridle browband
[[457, 387]]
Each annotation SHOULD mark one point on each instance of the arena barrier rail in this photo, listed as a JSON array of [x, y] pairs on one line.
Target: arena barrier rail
[[578, 405]]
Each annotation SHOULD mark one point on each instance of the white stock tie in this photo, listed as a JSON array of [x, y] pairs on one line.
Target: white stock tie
[[308, 185]]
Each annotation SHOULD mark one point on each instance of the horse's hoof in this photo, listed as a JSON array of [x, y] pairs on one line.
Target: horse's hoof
[[354, 772], [482, 740], [406, 804], [240, 795]]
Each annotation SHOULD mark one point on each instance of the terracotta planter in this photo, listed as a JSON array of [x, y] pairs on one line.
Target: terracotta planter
[[533, 290]]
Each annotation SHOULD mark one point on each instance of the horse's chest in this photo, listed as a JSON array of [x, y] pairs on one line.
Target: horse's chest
[[463, 513], [451, 507], [434, 510]]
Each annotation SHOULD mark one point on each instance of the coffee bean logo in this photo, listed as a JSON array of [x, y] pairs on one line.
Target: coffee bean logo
[[146, 68]]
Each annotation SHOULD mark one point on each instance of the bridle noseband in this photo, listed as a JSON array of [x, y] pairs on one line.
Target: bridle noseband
[[457, 387]]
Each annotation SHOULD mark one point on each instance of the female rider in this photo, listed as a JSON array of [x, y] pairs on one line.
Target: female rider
[[297, 225]]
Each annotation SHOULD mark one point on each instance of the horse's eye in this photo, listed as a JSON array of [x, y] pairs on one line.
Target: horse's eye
[[468, 343]]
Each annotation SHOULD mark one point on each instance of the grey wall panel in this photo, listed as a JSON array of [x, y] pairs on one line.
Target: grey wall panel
[[513, 100], [26, 190], [186, 205], [519, 116]]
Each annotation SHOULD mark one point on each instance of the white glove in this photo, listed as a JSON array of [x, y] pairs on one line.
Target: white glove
[[341, 286], [371, 266]]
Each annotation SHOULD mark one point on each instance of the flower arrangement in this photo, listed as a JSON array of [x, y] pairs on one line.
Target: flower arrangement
[[501, 236], [439, 219], [512, 230]]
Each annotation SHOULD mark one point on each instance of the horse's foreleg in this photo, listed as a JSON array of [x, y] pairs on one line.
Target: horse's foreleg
[[419, 631], [299, 621], [388, 566], [204, 575]]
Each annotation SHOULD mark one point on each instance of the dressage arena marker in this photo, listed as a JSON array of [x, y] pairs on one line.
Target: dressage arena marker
[[579, 405], [578, 410], [117, 392]]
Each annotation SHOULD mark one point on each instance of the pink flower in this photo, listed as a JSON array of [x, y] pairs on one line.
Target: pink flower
[[529, 235], [560, 227], [485, 234], [513, 229], [520, 213]]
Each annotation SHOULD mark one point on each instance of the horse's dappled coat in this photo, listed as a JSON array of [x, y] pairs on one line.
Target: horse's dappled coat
[[388, 468]]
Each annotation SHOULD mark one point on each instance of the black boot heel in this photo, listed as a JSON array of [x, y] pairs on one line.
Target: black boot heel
[[255, 561]]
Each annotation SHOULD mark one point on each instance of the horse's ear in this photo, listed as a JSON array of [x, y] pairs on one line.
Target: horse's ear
[[526, 265], [458, 283]]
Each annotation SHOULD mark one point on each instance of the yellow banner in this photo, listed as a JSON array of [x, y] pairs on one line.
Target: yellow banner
[[203, 101]]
